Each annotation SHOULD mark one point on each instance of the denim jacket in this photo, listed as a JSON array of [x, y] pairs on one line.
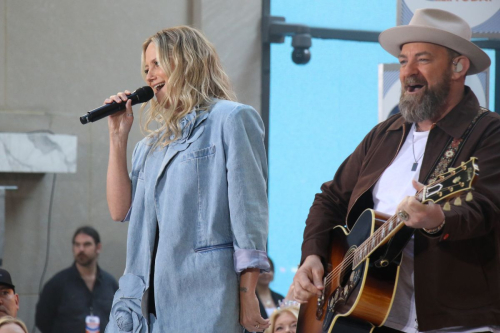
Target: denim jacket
[[207, 192]]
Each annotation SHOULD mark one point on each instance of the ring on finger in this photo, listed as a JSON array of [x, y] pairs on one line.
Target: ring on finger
[[257, 326], [130, 114], [403, 215]]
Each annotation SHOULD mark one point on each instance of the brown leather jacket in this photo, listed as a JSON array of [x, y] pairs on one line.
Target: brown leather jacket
[[457, 272]]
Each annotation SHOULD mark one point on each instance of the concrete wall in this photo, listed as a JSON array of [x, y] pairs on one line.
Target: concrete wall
[[59, 59]]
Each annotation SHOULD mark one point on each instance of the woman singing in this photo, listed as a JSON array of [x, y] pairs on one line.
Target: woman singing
[[195, 198]]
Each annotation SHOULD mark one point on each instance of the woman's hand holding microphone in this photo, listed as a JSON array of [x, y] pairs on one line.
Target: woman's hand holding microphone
[[119, 124]]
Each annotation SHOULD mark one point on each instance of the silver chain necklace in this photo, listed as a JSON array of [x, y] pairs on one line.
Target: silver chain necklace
[[415, 164]]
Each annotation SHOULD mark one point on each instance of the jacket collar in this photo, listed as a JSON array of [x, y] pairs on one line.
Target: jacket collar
[[459, 118], [192, 128], [456, 121], [75, 271]]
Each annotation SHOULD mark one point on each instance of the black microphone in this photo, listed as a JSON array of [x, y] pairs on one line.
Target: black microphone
[[141, 95]]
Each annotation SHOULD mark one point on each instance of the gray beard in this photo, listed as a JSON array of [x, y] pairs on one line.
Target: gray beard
[[415, 109]]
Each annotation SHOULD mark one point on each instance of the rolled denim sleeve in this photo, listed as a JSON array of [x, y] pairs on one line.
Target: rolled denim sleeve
[[244, 259], [246, 164]]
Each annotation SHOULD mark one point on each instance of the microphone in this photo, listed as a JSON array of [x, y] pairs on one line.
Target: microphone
[[141, 95]]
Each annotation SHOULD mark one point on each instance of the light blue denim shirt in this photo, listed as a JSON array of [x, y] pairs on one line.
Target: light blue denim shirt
[[207, 191]]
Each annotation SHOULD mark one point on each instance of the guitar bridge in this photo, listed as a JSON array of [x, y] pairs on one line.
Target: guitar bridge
[[321, 302]]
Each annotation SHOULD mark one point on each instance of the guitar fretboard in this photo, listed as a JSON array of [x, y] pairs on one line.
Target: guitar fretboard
[[379, 237]]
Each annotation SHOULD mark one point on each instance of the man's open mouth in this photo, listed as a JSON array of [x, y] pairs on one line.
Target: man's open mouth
[[414, 87]]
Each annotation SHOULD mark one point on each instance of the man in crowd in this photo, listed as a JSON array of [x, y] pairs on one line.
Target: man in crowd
[[9, 300], [450, 271], [82, 290]]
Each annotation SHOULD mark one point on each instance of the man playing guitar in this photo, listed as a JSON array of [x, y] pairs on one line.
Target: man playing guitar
[[450, 269]]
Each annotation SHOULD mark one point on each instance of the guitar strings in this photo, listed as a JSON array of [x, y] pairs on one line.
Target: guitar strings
[[350, 258]]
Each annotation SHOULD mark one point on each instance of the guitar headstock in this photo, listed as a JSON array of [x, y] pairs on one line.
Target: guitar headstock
[[452, 183]]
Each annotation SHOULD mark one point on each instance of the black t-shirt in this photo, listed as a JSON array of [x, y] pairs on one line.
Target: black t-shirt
[[66, 301]]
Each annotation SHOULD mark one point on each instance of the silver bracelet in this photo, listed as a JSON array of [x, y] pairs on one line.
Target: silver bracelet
[[436, 229]]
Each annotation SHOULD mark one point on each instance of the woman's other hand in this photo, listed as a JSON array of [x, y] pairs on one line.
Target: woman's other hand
[[250, 317]]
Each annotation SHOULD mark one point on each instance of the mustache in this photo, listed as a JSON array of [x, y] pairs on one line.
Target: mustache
[[413, 80]]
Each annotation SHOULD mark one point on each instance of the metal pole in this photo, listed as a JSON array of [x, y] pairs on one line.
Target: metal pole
[[2, 218], [265, 73], [497, 80], [2, 222]]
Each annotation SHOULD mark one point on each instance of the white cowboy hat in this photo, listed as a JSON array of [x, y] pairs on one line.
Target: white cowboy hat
[[437, 27]]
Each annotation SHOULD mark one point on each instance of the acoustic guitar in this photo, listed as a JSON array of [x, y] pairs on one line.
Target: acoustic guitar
[[358, 294]]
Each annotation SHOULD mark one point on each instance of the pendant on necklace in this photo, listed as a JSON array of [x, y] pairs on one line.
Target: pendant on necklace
[[414, 166]]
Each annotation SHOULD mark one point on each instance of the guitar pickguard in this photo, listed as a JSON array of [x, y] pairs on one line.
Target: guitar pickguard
[[340, 297]]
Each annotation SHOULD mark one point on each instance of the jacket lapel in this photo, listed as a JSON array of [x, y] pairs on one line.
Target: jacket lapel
[[169, 155]]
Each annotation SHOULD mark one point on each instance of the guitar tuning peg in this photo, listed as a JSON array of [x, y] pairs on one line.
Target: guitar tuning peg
[[458, 202], [469, 197], [447, 206]]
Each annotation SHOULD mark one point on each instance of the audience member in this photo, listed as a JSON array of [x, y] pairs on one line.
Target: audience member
[[10, 324], [268, 299], [9, 300], [82, 290], [284, 319]]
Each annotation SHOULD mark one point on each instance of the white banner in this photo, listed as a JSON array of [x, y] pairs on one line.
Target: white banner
[[482, 15]]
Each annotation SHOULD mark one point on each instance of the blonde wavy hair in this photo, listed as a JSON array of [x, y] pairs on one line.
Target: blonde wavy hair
[[294, 310], [11, 320], [195, 78]]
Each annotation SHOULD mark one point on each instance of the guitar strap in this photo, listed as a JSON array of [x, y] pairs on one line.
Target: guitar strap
[[448, 157]]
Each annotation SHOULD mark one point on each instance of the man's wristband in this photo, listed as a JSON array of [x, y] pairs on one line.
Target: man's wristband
[[436, 229]]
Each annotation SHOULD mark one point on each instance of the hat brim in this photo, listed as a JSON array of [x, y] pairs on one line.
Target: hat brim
[[394, 38], [8, 285]]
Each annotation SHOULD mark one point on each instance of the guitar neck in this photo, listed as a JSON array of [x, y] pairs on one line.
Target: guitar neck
[[377, 239], [447, 185]]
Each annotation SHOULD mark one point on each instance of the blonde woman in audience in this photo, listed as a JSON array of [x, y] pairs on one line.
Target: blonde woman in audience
[[10, 324], [284, 319]]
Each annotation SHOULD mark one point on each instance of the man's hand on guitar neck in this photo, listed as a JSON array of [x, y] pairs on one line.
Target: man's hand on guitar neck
[[308, 281], [421, 216]]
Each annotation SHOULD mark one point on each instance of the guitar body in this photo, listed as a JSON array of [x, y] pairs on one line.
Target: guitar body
[[354, 300]]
